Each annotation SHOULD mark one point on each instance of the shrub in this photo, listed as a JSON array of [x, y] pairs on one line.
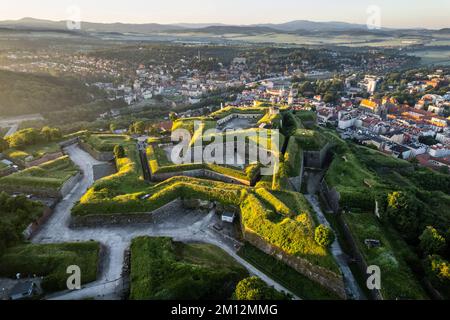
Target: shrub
[[255, 289], [324, 236], [119, 152], [431, 242]]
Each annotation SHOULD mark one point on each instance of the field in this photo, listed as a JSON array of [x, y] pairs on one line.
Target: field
[[51, 175], [433, 56], [51, 261], [398, 281], [164, 270], [286, 276]]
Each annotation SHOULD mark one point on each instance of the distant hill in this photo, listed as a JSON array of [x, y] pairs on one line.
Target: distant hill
[[30, 23], [298, 26], [313, 26], [219, 30]]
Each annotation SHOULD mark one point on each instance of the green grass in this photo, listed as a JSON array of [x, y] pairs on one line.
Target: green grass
[[35, 151], [50, 175], [310, 139], [225, 112], [294, 235], [398, 281], [295, 282], [189, 124], [306, 116], [293, 157], [51, 261], [165, 270], [105, 142], [110, 201], [3, 166]]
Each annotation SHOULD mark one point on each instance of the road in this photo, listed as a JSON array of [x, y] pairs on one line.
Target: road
[[12, 130], [185, 226], [352, 287], [13, 122]]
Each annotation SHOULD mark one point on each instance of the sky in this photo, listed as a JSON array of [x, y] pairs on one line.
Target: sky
[[431, 14]]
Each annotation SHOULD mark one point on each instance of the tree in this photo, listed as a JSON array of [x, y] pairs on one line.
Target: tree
[[428, 140], [112, 127], [324, 236], [173, 116], [403, 212], [431, 242], [24, 138], [119, 151], [254, 288], [46, 133], [440, 267], [139, 127], [3, 145]]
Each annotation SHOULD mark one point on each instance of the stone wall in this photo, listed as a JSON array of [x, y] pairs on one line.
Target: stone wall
[[30, 231], [316, 159], [331, 196], [326, 278], [97, 155], [70, 184], [200, 173], [69, 142], [124, 219]]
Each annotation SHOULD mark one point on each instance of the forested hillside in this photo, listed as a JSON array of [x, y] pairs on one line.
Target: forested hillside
[[22, 93]]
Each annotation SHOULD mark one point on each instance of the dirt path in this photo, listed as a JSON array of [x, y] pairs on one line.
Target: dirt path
[[185, 226]]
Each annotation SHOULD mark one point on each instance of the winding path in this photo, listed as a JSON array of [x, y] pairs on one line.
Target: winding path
[[189, 227]]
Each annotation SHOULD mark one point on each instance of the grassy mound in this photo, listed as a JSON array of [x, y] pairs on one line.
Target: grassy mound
[[51, 262], [165, 270], [50, 175]]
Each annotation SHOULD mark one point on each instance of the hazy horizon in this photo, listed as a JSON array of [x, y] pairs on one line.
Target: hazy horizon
[[401, 14]]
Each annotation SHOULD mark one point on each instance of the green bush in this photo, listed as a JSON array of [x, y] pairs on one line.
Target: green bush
[[254, 288], [324, 236], [431, 242]]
